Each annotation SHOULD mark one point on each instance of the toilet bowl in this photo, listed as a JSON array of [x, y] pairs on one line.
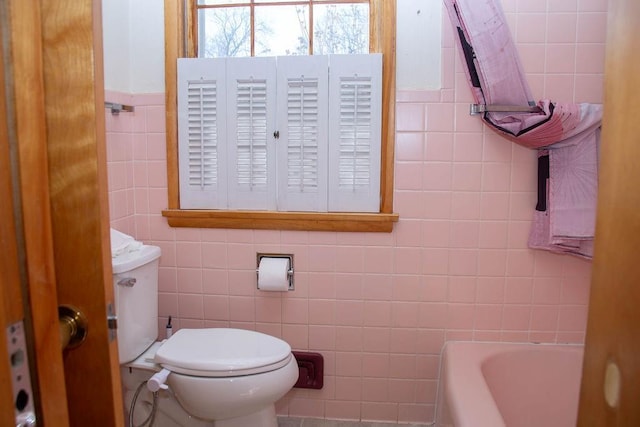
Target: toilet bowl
[[232, 391], [230, 376], [217, 377]]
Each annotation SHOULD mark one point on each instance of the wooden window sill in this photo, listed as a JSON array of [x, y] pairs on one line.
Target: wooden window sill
[[264, 220]]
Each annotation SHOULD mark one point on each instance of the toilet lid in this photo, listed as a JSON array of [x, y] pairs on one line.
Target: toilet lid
[[222, 352]]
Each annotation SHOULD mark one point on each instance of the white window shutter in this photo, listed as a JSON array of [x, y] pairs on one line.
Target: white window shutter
[[355, 97], [251, 105], [201, 130], [302, 126]]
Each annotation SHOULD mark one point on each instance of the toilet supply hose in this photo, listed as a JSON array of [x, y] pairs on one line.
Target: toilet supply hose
[[154, 407]]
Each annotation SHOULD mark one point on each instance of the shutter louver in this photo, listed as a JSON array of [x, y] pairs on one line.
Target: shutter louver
[[355, 134], [202, 131], [302, 127], [201, 123], [251, 135], [355, 91]]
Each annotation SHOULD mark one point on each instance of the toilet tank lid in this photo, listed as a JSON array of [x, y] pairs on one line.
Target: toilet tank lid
[[221, 350], [134, 259]]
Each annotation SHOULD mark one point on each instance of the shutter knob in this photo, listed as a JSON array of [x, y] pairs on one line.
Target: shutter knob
[[276, 134]]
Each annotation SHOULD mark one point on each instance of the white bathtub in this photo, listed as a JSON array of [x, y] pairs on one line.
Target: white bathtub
[[513, 385]]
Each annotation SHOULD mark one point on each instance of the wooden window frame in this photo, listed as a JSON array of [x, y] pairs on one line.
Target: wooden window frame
[[180, 40]]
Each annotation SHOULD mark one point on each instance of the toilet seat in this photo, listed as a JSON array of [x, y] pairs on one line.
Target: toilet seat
[[222, 352]]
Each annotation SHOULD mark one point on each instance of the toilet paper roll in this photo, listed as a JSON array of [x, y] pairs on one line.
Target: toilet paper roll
[[273, 274]]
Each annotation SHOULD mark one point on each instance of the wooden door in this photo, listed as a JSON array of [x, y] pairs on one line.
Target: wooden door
[[76, 147], [56, 118], [613, 331]]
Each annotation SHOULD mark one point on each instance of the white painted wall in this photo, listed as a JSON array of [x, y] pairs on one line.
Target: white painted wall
[[147, 46], [418, 44], [116, 45], [133, 33], [134, 45]]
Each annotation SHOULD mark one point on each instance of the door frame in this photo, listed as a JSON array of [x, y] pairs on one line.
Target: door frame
[[11, 302]]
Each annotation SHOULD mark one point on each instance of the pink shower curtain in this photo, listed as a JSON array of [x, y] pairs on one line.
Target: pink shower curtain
[[568, 132]]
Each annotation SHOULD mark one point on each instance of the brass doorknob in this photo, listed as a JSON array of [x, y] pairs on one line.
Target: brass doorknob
[[73, 326]]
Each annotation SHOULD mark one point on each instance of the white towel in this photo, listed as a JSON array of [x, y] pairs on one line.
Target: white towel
[[122, 243]]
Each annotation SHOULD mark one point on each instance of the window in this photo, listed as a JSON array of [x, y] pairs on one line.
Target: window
[[281, 27], [180, 41]]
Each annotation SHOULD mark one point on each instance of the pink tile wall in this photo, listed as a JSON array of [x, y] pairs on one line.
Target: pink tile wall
[[136, 164], [120, 145], [380, 306]]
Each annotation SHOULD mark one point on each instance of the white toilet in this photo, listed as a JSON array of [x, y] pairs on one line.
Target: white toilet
[[218, 377]]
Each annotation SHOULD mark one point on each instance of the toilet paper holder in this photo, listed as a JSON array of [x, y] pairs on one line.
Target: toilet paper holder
[[259, 256]]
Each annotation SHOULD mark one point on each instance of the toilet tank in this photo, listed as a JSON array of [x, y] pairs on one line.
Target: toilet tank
[[135, 283]]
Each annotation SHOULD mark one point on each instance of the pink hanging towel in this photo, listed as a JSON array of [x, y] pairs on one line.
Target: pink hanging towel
[[566, 221], [569, 131]]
